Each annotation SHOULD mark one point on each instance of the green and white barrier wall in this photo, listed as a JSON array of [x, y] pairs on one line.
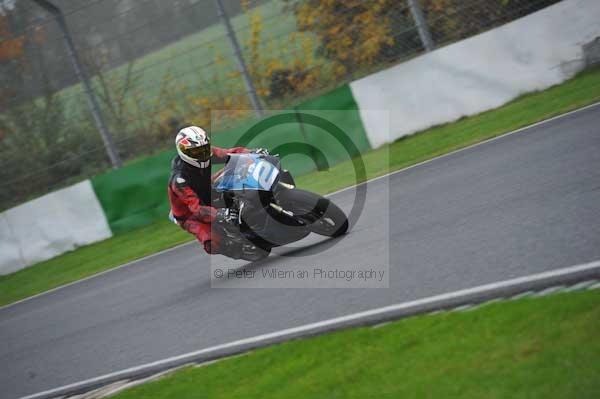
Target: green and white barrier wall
[[465, 78], [136, 195]]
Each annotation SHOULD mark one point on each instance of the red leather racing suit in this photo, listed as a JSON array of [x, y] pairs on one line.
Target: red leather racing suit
[[190, 193]]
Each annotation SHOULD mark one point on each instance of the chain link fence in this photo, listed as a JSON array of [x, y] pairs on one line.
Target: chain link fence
[[157, 65]]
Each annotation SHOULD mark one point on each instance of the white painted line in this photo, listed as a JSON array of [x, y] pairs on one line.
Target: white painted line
[[294, 331], [326, 195]]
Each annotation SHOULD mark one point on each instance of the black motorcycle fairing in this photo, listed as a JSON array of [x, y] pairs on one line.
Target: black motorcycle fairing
[[277, 216]]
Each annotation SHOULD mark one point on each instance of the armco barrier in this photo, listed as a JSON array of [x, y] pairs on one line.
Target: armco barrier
[[479, 73], [136, 195]]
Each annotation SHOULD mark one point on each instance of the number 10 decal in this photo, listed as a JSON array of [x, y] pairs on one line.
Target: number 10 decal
[[265, 174]]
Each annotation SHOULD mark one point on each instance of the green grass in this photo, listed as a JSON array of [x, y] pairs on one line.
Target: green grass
[[582, 90], [531, 348]]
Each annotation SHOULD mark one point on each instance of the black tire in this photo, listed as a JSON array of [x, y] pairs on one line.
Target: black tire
[[255, 254], [323, 216], [243, 250]]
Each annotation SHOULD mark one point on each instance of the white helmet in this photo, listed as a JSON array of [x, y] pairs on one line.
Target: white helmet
[[193, 146]]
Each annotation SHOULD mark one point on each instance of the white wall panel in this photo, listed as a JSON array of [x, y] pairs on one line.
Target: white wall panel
[[479, 73], [51, 225]]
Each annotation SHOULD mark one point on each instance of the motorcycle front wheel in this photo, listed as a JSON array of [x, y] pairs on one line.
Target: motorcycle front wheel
[[322, 215]]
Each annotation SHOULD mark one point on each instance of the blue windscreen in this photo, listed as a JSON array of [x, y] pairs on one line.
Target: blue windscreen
[[247, 172]]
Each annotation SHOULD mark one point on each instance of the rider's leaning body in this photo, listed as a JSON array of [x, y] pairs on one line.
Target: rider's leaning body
[[190, 184]]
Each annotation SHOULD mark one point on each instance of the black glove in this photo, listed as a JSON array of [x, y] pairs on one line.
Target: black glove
[[227, 216]]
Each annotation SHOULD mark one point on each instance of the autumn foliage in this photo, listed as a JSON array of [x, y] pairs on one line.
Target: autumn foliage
[[13, 59], [11, 48], [352, 33], [11, 53]]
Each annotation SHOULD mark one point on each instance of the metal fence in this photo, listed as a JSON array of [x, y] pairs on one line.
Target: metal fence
[[156, 65]]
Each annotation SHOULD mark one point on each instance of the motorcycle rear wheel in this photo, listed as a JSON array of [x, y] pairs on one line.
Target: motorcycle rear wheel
[[323, 216]]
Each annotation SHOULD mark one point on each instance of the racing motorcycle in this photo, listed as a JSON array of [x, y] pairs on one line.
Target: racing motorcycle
[[266, 210]]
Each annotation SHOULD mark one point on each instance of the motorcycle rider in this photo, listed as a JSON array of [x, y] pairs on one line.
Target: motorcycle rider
[[190, 187]]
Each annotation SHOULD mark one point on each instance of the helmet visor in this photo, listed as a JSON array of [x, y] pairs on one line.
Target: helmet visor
[[200, 153]]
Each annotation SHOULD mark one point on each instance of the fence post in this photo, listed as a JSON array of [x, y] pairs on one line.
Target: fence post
[[422, 27], [254, 100], [107, 139]]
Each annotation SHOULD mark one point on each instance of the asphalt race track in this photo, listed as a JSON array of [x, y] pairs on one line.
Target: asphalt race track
[[522, 204]]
